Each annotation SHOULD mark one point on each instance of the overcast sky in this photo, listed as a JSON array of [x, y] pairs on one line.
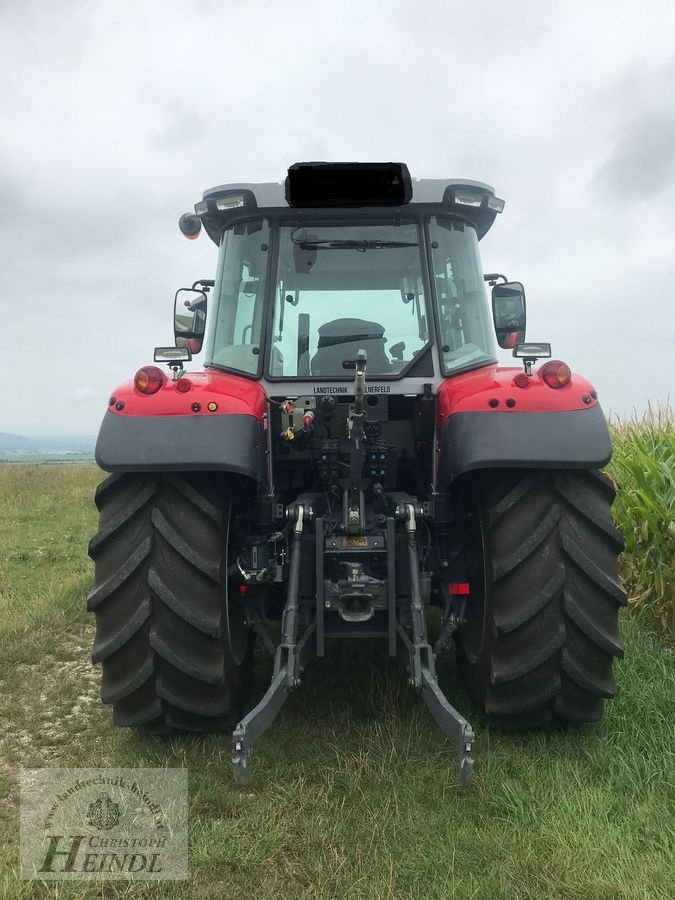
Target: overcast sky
[[117, 115]]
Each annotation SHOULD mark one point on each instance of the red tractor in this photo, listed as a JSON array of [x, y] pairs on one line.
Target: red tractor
[[350, 455]]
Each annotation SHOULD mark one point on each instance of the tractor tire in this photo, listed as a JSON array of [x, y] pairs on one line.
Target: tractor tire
[[172, 657], [540, 636]]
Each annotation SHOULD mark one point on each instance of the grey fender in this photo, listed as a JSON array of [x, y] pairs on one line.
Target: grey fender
[[224, 443], [572, 439]]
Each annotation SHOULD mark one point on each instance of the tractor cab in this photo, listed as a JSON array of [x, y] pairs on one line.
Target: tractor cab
[[301, 288]]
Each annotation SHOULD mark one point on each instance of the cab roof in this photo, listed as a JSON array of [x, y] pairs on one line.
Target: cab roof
[[271, 194], [472, 201]]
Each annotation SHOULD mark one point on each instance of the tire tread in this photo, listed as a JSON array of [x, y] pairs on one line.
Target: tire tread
[[553, 597], [157, 597]]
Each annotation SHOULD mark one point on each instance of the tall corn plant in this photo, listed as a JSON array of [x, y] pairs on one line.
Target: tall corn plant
[[643, 467]]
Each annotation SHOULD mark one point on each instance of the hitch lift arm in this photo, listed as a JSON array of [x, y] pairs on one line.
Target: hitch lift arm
[[417, 656], [291, 657], [409, 642]]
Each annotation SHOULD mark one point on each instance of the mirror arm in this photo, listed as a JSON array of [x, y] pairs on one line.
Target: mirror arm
[[493, 277]]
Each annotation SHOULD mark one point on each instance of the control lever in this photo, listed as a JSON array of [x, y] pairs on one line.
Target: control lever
[[354, 501], [360, 382]]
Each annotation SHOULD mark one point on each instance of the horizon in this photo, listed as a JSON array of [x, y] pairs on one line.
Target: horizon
[[43, 435]]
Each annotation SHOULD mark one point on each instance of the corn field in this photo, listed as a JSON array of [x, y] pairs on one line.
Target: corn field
[[643, 468]]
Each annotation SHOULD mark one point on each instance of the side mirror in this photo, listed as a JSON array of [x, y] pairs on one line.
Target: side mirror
[[189, 318], [508, 313]]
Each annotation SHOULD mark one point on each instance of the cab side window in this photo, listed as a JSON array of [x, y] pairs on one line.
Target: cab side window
[[240, 289]]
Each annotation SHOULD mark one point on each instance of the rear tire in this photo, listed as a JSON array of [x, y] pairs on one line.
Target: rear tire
[[542, 632], [160, 602]]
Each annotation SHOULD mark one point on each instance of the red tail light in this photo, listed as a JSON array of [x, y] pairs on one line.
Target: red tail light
[[148, 380], [555, 373], [459, 588]]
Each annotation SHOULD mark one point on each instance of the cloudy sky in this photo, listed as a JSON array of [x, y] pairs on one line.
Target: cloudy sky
[[116, 114]]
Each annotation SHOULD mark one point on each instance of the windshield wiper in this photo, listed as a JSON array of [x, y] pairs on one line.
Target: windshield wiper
[[345, 244]]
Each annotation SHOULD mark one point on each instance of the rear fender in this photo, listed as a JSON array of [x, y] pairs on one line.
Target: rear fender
[[217, 424], [486, 421]]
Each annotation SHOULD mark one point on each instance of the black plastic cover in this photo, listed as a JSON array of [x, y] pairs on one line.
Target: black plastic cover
[[225, 443], [572, 439], [324, 184]]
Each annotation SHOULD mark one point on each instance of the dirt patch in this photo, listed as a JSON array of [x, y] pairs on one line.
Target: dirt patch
[[60, 699]]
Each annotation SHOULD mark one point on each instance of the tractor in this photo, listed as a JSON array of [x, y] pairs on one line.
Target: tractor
[[351, 455]]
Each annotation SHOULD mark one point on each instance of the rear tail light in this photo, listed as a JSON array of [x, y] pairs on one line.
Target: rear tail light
[[555, 373], [459, 589], [148, 380]]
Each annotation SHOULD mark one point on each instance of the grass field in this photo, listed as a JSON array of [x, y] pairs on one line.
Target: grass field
[[354, 791]]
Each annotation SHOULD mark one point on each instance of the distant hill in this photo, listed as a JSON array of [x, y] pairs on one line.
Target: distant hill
[[69, 443], [17, 442]]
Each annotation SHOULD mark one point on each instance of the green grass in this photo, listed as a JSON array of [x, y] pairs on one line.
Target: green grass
[[354, 792]]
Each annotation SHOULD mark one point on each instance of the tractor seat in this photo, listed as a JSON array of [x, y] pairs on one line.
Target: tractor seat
[[341, 339]]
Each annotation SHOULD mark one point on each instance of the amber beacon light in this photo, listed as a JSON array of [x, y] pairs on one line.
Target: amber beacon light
[[556, 374], [148, 379]]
